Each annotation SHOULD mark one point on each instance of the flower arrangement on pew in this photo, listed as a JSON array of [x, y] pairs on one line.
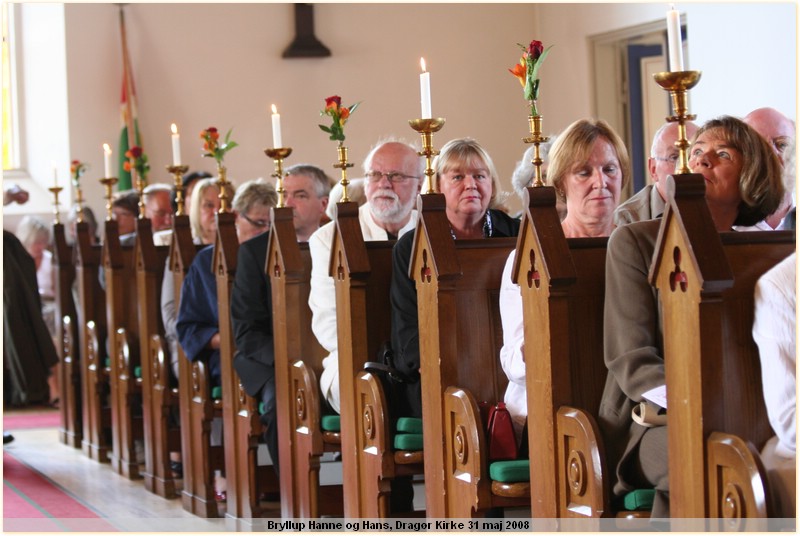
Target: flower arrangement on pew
[[216, 150], [137, 160], [339, 115], [527, 71], [76, 171]]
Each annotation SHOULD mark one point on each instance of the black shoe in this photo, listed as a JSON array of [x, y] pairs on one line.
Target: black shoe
[[7, 438], [176, 468]]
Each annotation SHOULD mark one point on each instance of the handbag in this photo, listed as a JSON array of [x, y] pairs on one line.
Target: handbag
[[500, 433]]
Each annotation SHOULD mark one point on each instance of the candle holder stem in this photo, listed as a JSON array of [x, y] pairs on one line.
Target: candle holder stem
[[678, 83], [177, 174], [55, 191], [78, 203], [109, 183], [343, 164], [426, 128], [278, 155], [536, 138], [140, 189], [222, 184]]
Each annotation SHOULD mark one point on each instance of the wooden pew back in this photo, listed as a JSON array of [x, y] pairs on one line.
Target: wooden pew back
[[123, 343], [199, 460], [96, 420], [155, 378], [706, 283], [298, 361], [362, 273], [562, 282], [69, 376], [458, 286]]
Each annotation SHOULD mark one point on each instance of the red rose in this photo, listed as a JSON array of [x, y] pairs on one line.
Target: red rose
[[135, 151], [76, 162], [535, 49], [336, 99]]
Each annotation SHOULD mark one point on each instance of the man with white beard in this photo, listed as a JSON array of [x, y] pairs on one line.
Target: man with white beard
[[393, 173]]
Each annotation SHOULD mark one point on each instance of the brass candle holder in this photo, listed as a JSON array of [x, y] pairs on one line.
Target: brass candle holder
[[56, 190], [343, 164], [109, 183], [426, 127], [678, 83], [278, 155], [222, 183], [177, 174], [536, 138]]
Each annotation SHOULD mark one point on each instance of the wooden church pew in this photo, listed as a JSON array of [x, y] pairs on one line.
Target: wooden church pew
[[298, 362], [706, 283], [158, 399], [123, 345], [197, 409], [562, 283], [70, 430], [96, 411], [362, 277], [460, 338], [246, 479]]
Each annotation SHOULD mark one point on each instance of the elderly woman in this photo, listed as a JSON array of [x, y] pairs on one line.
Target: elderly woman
[[466, 175], [589, 166], [743, 185]]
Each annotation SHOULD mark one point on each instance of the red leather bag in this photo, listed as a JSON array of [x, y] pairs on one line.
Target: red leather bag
[[500, 432]]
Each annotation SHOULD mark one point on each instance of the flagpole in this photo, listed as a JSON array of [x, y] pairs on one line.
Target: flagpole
[[128, 82]]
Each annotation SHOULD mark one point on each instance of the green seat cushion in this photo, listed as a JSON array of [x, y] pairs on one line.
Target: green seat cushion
[[107, 362], [216, 392], [409, 425], [331, 423], [137, 372], [510, 471], [639, 499], [408, 441], [261, 408]]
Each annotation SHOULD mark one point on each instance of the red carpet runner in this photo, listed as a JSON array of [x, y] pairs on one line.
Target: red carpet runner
[[32, 502]]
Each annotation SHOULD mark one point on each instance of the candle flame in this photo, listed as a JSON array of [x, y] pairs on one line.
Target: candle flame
[[274, 109], [174, 128], [106, 148], [422, 64], [672, 7]]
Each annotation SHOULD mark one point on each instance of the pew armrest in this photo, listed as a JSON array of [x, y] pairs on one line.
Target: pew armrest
[[737, 481], [466, 466], [583, 486]]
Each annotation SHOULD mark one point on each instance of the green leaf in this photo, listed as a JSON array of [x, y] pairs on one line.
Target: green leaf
[[325, 129], [231, 145], [353, 107], [228, 135]]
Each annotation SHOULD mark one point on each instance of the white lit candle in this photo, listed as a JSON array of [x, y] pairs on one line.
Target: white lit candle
[[674, 40], [425, 90], [107, 159], [276, 128], [176, 146], [55, 176]]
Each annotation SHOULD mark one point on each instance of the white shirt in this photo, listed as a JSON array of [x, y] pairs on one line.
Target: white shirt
[[774, 332], [322, 297], [511, 358]]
